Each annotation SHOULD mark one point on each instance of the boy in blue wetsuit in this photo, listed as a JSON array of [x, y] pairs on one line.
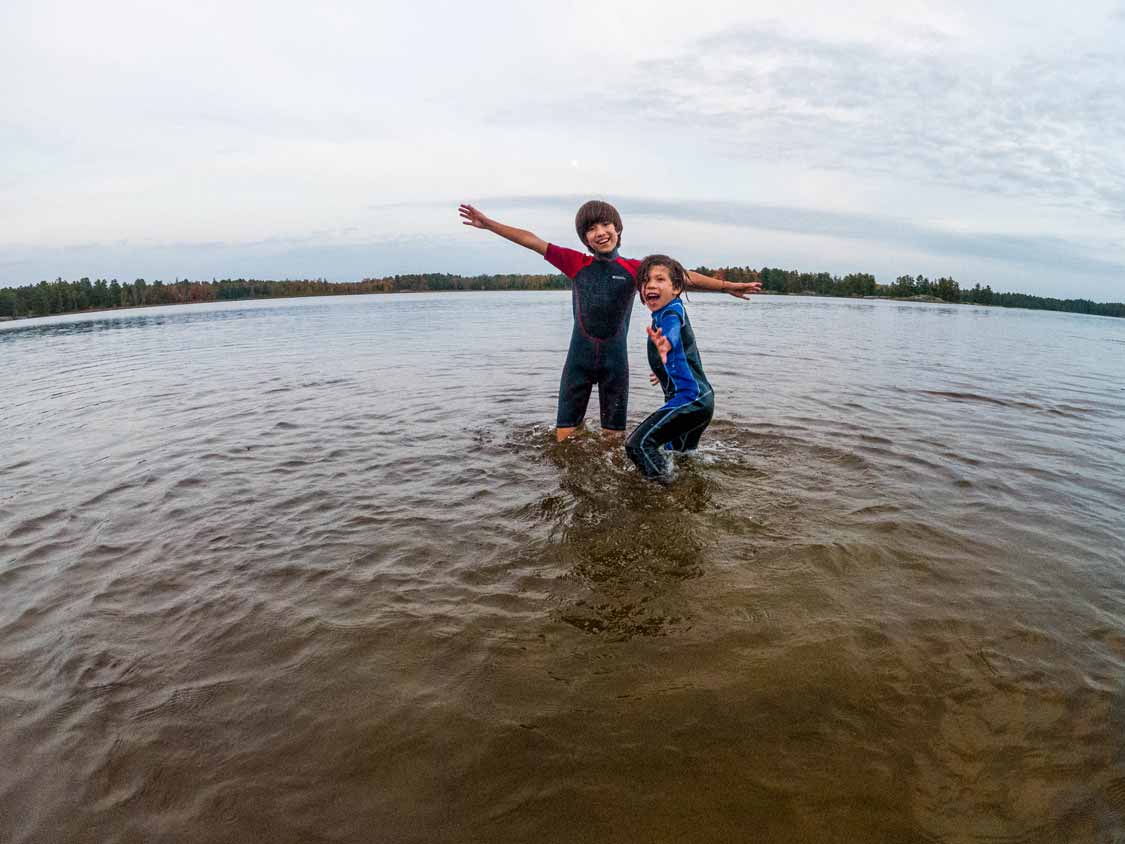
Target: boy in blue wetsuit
[[602, 301], [674, 358]]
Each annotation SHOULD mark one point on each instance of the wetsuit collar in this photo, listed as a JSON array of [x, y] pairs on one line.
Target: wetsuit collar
[[669, 307], [606, 256]]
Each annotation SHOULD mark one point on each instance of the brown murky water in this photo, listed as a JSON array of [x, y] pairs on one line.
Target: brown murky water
[[314, 571]]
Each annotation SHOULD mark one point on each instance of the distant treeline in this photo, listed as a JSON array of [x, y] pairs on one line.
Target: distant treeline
[[61, 297], [907, 287]]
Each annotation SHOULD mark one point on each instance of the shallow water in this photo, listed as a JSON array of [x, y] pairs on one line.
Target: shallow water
[[314, 570]]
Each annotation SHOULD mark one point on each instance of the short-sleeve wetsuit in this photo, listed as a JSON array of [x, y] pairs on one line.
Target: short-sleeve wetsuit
[[602, 296], [689, 400]]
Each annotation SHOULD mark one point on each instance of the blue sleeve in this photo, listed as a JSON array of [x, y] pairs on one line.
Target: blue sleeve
[[677, 365]]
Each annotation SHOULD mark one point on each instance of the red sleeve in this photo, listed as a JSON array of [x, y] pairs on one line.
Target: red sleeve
[[631, 264], [567, 261]]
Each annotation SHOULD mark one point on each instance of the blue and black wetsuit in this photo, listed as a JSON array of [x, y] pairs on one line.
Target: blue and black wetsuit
[[689, 400], [603, 294]]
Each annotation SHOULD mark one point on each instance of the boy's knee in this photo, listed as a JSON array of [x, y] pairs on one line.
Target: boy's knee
[[634, 452], [633, 446], [651, 463]]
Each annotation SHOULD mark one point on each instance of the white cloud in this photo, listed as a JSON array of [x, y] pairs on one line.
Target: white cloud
[[172, 129]]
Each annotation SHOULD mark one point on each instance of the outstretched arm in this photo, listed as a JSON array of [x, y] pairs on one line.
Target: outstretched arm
[[738, 289], [470, 216]]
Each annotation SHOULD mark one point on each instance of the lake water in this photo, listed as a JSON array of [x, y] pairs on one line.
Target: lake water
[[315, 570]]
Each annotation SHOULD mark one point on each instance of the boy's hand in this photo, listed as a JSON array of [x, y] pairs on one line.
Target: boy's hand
[[719, 284], [662, 343], [472, 217], [738, 289], [742, 289], [652, 379]]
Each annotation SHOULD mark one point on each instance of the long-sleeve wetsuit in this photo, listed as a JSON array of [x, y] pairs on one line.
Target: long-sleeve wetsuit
[[689, 400], [602, 298]]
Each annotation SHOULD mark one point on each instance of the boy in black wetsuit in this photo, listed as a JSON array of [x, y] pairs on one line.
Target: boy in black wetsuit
[[674, 359], [602, 300]]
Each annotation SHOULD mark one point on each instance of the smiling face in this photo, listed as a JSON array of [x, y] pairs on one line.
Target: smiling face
[[602, 237], [658, 289]]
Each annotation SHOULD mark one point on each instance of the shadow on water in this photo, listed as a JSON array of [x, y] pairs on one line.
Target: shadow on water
[[626, 545]]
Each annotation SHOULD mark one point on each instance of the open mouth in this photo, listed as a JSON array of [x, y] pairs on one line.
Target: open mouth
[[652, 296]]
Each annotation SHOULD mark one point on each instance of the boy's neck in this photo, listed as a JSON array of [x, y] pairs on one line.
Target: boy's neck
[[606, 256], [667, 305]]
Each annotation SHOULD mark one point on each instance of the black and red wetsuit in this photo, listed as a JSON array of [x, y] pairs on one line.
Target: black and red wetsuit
[[603, 293]]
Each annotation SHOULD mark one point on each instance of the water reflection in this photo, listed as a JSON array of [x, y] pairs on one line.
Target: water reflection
[[138, 320], [627, 543]]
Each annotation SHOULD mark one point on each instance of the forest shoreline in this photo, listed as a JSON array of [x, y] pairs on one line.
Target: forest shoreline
[[64, 298]]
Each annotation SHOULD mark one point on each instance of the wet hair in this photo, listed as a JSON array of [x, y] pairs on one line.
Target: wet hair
[[593, 212], [675, 270]]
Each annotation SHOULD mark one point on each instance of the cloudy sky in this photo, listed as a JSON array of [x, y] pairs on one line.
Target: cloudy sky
[[985, 141]]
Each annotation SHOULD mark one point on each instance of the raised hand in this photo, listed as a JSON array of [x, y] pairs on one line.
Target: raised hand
[[470, 216], [662, 343]]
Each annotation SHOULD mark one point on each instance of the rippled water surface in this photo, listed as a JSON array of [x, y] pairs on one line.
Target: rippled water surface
[[314, 570]]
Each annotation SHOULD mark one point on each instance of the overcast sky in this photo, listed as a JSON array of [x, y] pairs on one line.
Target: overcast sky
[[985, 141]]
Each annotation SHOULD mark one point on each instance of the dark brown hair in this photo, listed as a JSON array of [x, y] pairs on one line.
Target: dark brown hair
[[675, 269], [593, 212]]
